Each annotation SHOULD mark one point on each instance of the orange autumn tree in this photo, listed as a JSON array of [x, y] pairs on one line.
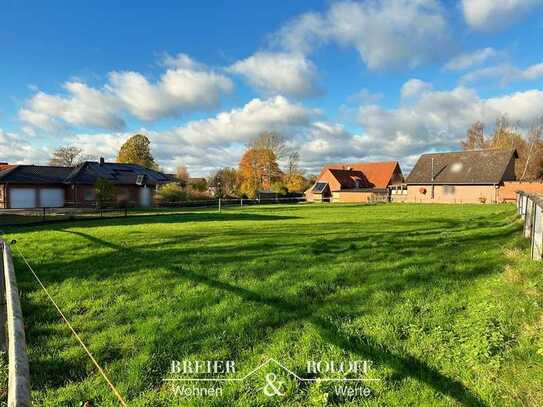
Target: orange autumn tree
[[258, 169]]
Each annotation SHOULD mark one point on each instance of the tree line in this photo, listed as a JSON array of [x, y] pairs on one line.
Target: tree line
[[135, 150], [258, 169], [508, 135]]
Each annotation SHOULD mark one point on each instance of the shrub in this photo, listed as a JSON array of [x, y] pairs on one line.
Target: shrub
[[170, 193], [105, 193]]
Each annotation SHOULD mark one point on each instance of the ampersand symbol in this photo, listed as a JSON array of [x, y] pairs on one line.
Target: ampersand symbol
[[271, 388]]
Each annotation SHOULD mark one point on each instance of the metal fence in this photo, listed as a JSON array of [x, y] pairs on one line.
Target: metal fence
[[17, 217], [530, 209]]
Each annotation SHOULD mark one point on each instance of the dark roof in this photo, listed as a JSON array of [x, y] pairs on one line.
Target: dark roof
[[34, 174], [463, 167], [90, 171], [86, 173], [196, 180], [349, 179]]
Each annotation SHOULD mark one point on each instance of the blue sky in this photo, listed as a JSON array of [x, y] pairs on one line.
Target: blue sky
[[341, 80]]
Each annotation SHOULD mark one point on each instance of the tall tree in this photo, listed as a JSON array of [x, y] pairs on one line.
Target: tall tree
[[137, 150], [533, 166], [67, 156], [183, 175], [258, 169], [272, 141], [272, 148], [475, 137], [506, 136], [294, 179], [225, 182], [250, 172]]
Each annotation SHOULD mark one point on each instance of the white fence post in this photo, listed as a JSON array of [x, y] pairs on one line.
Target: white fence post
[[528, 218], [537, 234]]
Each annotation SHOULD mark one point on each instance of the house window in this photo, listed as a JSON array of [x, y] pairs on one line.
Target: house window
[[89, 195], [448, 189]]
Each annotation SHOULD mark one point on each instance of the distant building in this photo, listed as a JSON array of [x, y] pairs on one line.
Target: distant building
[[33, 186], [356, 182], [463, 177]]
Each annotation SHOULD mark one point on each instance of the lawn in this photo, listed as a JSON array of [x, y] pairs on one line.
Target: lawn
[[442, 299]]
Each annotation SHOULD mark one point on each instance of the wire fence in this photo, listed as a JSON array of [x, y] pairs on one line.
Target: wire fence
[[530, 209], [33, 216]]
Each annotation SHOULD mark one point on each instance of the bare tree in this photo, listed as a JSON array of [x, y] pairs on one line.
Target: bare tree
[[270, 147], [534, 157], [475, 137], [271, 141], [68, 156], [183, 175]]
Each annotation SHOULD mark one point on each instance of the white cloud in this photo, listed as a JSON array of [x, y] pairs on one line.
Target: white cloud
[[438, 120], [388, 33], [204, 145], [185, 86], [366, 97], [14, 149], [491, 15], [470, 59], [426, 120], [241, 125], [274, 73], [414, 88], [83, 106], [505, 74], [102, 144]]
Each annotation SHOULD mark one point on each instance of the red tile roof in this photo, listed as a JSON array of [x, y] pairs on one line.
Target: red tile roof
[[377, 174]]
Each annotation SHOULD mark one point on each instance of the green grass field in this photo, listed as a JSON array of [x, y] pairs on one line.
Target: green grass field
[[441, 298]]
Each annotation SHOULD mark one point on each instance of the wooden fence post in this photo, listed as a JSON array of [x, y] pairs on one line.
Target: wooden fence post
[[18, 371]]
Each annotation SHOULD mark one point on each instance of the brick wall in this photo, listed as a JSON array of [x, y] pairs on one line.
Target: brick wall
[[357, 196], [509, 189], [85, 195], [453, 193]]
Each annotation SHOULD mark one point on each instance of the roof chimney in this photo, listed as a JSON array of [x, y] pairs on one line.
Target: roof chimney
[[102, 161]]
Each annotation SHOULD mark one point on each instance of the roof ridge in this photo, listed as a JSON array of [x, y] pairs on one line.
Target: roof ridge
[[75, 171], [482, 150], [9, 170]]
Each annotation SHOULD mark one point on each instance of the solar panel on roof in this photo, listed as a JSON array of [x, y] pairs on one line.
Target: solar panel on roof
[[319, 187]]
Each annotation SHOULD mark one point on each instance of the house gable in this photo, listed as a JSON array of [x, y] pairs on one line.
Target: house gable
[[376, 174]]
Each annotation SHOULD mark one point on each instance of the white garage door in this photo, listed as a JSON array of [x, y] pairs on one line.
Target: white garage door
[[22, 197], [52, 198]]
